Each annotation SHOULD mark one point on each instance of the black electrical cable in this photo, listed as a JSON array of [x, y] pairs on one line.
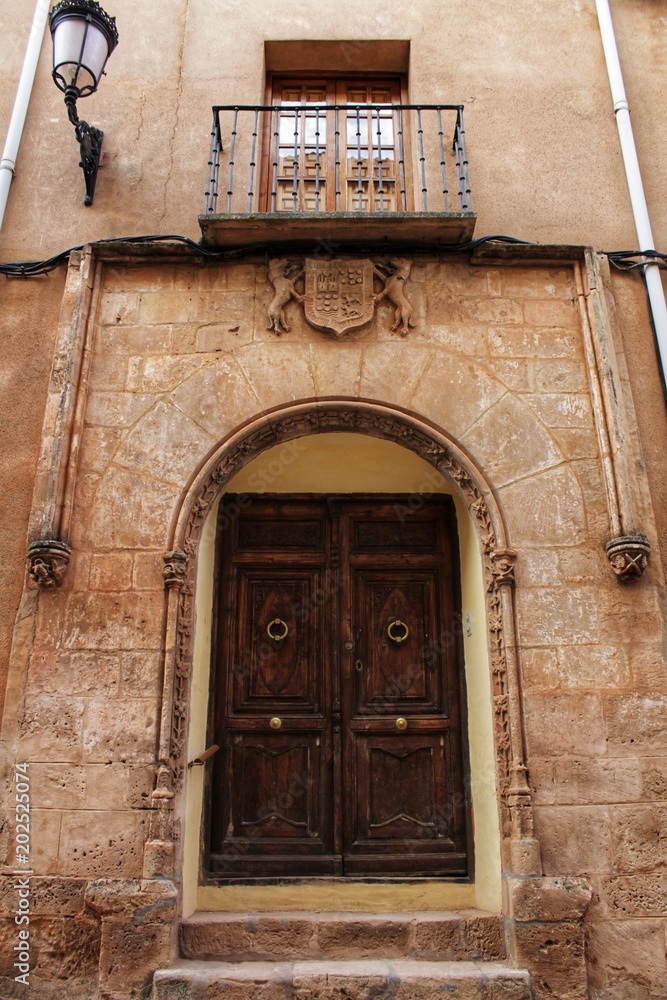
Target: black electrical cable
[[622, 260]]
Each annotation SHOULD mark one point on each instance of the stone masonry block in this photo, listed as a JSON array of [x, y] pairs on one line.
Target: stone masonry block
[[639, 834], [484, 937], [639, 895], [125, 733], [558, 375], [165, 445], [51, 729], [533, 342], [510, 442], [561, 409], [167, 306], [548, 900], [128, 957], [597, 780], [117, 621], [128, 510], [85, 674], [118, 308], [552, 313], [349, 937], [574, 840], [132, 340], [529, 283], [546, 507], [636, 722], [111, 571], [564, 723], [628, 952], [554, 953], [98, 843], [558, 616], [116, 409], [134, 901]]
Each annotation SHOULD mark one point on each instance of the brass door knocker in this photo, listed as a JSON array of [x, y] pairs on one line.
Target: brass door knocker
[[397, 631], [277, 630]]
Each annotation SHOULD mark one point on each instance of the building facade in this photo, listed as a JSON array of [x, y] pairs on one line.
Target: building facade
[[334, 507]]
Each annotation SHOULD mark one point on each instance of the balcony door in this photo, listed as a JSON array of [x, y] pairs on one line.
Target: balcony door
[[337, 691], [334, 145]]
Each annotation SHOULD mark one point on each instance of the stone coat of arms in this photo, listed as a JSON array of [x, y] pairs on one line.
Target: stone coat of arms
[[339, 294]]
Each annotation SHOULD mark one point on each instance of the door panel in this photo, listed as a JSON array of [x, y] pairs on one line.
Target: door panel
[[272, 794], [338, 691], [273, 673]]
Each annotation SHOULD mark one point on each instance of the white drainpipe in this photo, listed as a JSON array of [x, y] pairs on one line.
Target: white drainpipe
[[656, 292], [21, 102]]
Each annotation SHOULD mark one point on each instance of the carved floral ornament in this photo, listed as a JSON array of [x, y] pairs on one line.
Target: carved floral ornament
[[628, 556], [47, 561], [339, 294]]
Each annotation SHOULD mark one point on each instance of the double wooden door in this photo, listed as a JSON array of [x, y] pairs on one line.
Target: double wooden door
[[338, 690]]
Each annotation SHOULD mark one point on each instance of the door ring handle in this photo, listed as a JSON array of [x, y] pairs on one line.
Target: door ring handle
[[277, 630], [397, 631]]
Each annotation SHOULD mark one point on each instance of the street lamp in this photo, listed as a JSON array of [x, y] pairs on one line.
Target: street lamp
[[84, 36]]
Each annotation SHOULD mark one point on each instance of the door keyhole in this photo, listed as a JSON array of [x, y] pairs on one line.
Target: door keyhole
[[358, 666]]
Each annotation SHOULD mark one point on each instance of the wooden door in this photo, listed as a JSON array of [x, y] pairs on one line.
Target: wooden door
[[338, 690]]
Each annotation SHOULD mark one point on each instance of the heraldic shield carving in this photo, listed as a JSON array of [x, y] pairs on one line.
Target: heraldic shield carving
[[339, 294]]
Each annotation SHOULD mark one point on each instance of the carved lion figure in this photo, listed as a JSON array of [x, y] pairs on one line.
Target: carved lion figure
[[398, 271], [283, 285]]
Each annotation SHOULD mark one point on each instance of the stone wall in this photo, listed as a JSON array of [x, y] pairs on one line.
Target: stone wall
[[175, 357]]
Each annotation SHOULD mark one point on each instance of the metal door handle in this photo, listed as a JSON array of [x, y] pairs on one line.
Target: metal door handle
[[401, 724], [397, 631], [276, 723]]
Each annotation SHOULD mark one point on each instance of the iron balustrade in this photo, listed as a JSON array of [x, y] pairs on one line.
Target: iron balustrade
[[337, 158]]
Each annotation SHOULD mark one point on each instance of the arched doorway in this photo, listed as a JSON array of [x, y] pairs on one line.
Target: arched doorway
[[488, 712]]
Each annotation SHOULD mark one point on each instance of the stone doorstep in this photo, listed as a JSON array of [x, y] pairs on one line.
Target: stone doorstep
[[471, 935], [333, 980]]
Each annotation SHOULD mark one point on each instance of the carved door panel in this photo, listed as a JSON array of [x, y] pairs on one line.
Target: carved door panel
[[318, 665], [271, 808], [401, 708]]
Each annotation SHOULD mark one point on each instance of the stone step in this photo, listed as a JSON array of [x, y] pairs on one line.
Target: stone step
[[473, 935], [403, 979]]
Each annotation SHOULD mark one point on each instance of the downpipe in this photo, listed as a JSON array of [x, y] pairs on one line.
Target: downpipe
[[21, 102], [656, 294]]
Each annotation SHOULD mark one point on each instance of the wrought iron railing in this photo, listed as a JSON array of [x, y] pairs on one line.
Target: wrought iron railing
[[338, 158]]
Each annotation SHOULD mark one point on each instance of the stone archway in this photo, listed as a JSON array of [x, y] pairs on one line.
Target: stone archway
[[520, 849]]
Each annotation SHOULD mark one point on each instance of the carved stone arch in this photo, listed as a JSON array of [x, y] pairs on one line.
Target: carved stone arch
[[434, 446]]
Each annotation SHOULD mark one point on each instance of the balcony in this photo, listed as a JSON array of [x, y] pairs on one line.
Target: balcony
[[337, 174]]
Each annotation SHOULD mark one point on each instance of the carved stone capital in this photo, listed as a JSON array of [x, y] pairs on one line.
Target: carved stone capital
[[502, 567], [47, 561], [174, 568], [628, 556]]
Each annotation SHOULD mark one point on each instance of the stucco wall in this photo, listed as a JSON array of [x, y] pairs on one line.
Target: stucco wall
[[28, 321], [544, 154]]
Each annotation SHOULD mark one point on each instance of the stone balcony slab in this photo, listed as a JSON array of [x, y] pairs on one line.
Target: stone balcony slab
[[333, 231]]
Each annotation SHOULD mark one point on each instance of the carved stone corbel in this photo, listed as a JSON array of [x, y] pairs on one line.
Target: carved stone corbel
[[48, 559], [628, 556], [174, 568]]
